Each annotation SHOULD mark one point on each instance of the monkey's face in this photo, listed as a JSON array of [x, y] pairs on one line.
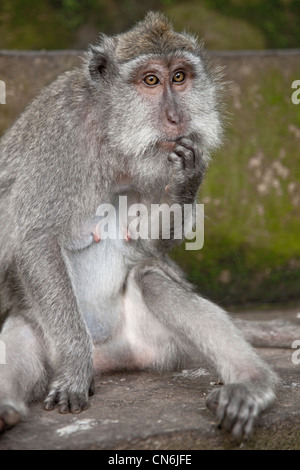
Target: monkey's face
[[164, 87], [158, 100], [154, 88]]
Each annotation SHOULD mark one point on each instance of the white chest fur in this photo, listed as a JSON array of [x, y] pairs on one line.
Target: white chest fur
[[98, 274]]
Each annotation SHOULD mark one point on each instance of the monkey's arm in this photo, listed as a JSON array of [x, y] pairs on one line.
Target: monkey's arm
[[52, 305], [188, 168]]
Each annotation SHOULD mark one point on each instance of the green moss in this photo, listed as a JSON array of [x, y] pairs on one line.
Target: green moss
[[252, 194]]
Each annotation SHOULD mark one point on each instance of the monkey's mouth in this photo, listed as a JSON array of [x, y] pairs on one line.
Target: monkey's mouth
[[169, 143], [173, 139]]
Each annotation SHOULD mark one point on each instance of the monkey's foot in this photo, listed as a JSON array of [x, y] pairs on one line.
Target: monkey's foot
[[9, 417], [67, 402], [236, 407]]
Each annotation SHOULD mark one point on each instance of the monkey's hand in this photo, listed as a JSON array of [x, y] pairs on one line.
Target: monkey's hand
[[237, 406], [70, 391], [188, 172]]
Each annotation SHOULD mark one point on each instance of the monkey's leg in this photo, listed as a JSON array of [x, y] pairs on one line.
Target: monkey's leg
[[23, 375], [202, 328]]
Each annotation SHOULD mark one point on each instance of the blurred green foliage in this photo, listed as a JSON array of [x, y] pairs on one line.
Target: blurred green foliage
[[277, 20], [234, 24]]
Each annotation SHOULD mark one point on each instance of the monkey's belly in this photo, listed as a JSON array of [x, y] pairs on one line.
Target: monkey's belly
[[98, 275]]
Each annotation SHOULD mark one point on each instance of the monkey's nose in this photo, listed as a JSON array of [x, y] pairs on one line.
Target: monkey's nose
[[173, 117]]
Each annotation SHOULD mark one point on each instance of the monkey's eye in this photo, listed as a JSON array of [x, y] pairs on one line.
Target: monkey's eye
[[151, 80], [178, 77]]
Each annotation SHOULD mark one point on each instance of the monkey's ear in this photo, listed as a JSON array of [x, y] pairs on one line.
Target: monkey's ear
[[98, 62], [100, 59]]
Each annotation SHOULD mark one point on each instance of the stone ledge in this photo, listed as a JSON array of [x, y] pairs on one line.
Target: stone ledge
[[140, 410]]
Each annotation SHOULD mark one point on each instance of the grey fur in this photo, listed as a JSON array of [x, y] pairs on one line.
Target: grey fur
[[75, 305]]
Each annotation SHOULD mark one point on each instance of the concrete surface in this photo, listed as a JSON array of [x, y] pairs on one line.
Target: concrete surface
[[140, 410]]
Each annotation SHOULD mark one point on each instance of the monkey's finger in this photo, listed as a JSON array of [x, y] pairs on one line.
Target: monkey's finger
[[218, 401], [51, 400], [250, 423], [188, 144], [212, 401], [63, 402], [242, 418], [245, 420], [187, 155], [231, 414], [74, 404], [222, 407], [78, 403], [193, 147], [177, 160]]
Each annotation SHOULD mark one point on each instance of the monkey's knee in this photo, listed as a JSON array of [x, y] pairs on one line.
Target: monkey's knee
[[24, 373], [159, 284], [148, 275], [154, 272]]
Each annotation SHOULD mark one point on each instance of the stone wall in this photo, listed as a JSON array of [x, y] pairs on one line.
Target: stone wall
[[252, 190]]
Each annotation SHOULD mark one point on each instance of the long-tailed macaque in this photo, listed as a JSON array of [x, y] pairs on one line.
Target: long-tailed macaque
[[137, 119]]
